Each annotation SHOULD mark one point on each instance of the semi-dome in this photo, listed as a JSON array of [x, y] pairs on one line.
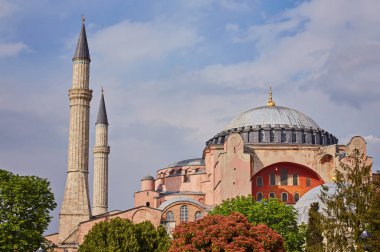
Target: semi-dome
[[272, 115], [313, 196], [189, 162]]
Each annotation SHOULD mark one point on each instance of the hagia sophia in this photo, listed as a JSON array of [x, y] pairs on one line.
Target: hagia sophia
[[268, 152]]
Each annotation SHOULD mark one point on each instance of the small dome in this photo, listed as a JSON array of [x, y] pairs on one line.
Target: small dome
[[272, 115], [147, 177], [189, 162], [312, 196]]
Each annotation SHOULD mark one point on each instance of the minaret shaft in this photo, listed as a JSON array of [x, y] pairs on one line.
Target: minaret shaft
[[101, 151], [76, 202]]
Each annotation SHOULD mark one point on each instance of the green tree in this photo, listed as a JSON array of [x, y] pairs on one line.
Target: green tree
[[373, 215], [273, 213], [122, 235], [345, 210], [314, 237], [25, 203]]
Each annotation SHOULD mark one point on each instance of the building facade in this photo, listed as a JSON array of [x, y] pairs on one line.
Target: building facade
[[267, 152]]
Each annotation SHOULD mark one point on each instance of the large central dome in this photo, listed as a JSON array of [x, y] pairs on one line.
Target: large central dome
[[272, 115], [273, 124]]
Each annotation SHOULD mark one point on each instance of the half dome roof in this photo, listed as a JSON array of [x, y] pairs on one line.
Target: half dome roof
[[272, 115], [189, 162]]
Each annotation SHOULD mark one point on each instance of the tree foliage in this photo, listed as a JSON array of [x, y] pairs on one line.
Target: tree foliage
[[314, 237], [25, 203], [122, 235], [273, 213], [373, 215], [225, 233], [345, 212]]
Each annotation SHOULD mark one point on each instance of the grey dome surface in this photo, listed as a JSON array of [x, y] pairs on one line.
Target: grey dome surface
[[272, 115], [147, 177], [312, 196], [189, 162]]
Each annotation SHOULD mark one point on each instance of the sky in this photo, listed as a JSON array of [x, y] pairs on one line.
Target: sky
[[174, 74]]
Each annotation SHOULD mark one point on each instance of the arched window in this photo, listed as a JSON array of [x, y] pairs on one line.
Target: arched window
[[272, 135], [283, 136], [147, 204], [272, 179], [261, 135], [284, 176], [198, 215], [169, 216], [296, 197], [284, 197], [295, 179], [259, 196], [259, 181], [304, 137], [293, 136], [313, 138], [184, 214], [186, 178], [272, 195], [308, 182]]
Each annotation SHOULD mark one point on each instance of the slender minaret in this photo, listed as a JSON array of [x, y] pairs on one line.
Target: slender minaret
[[76, 203], [101, 151]]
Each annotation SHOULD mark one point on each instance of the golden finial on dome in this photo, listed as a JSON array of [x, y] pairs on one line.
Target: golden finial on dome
[[270, 102]]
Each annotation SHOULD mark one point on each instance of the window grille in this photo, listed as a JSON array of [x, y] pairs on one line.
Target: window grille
[[296, 197], [295, 179], [198, 215], [284, 177], [184, 214], [259, 181], [259, 196], [272, 178], [170, 216], [284, 197]]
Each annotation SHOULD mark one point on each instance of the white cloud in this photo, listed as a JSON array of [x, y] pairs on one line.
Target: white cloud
[[6, 8], [236, 5], [131, 42], [12, 49], [230, 5], [372, 139], [324, 45]]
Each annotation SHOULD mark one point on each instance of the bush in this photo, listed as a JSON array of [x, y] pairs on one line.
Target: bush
[[225, 233]]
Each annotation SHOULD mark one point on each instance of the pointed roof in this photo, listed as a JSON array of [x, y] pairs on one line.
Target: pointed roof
[[82, 51], [102, 113]]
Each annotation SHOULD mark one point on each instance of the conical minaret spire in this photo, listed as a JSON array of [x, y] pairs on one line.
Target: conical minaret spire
[[82, 51], [76, 202], [101, 152], [102, 113]]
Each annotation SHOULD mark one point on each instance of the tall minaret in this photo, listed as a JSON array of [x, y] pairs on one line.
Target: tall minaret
[[101, 151], [76, 203]]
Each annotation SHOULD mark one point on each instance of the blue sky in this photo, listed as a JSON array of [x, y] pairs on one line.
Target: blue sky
[[176, 72]]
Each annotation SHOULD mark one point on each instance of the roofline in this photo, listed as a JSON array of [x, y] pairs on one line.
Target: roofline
[[124, 211]]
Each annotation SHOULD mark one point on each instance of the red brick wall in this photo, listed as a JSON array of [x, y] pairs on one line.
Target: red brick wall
[[292, 168]]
